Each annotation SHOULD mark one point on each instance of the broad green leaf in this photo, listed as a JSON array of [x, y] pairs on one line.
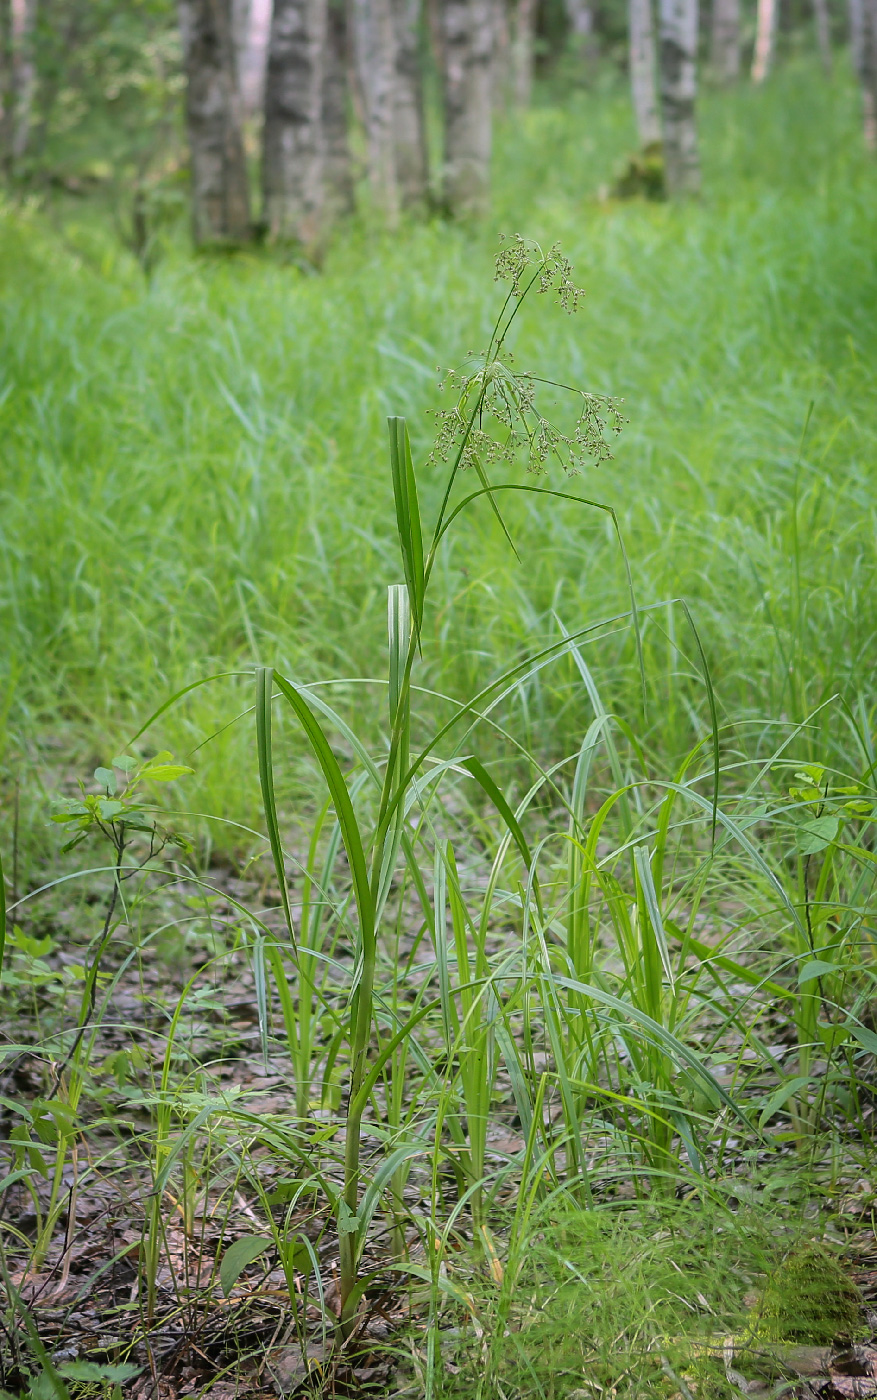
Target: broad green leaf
[[264, 688], [781, 1096], [91, 1371], [407, 515], [334, 778], [812, 837], [817, 968], [238, 1257], [296, 1255], [867, 1039], [2, 916], [348, 1223], [650, 895], [832, 1034], [166, 772], [486, 782]]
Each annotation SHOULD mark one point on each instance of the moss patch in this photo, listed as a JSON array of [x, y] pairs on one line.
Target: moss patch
[[809, 1299]]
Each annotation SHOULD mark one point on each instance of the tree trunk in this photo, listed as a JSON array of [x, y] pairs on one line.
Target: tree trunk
[[411, 162], [24, 74], [857, 20], [6, 91], [765, 33], [240, 31], [580, 15], [220, 189], [338, 182], [294, 143], [468, 51], [501, 63], [643, 76], [725, 40], [678, 93], [823, 33], [375, 56], [522, 52], [868, 72], [252, 54]]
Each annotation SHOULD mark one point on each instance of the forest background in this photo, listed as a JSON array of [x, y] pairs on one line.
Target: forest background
[[437, 918]]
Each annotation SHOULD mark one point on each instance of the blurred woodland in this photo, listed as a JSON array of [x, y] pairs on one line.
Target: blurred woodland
[[391, 102]]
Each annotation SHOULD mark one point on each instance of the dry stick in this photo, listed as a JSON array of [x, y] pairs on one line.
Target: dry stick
[[104, 939], [71, 1222]]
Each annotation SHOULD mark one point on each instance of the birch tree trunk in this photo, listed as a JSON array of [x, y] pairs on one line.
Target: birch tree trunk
[[643, 72], [823, 33], [375, 58], [765, 34], [580, 14], [338, 181], [868, 72], [252, 58], [501, 62], [6, 91], [522, 52], [294, 146], [220, 190], [725, 41], [240, 30], [468, 52], [678, 92], [411, 162], [24, 74], [856, 19]]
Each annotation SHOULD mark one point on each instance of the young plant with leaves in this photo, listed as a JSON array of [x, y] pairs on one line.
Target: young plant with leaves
[[495, 418]]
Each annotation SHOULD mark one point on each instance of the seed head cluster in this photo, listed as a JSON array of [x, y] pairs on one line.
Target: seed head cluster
[[496, 417]]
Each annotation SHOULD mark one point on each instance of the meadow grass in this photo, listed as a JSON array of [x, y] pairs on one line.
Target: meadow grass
[[194, 472], [626, 953]]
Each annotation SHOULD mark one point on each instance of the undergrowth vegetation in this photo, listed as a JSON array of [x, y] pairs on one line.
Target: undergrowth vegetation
[[490, 1010]]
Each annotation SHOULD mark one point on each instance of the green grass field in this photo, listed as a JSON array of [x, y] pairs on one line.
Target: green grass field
[[194, 474], [593, 982]]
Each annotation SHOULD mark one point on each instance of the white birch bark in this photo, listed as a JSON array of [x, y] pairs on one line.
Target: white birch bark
[[643, 71], [220, 187], [501, 63], [467, 29], [338, 192], [823, 33], [252, 57], [294, 147], [521, 53], [24, 74], [411, 162], [580, 14], [678, 51], [868, 73], [375, 57], [240, 28], [765, 36], [856, 22], [725, 41], [6, 101]]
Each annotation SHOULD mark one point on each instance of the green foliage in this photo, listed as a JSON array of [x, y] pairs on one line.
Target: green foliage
[[113, 812], [809, 1298], [624, 1302], [643, 175], [543, 959], [108, 88], [207, 456]]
